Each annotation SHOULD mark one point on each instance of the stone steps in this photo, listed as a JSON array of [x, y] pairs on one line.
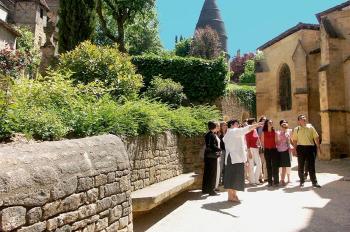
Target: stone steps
[[154, 195]]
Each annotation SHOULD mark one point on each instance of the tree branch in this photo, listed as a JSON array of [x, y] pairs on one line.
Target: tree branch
[[105, 29]]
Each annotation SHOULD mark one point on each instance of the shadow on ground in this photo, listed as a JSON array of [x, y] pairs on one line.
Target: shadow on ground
[[335, 216], [144, 221]]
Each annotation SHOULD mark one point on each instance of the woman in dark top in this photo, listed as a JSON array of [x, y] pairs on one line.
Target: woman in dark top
[[221, 134], [212, 152], [268, 139]]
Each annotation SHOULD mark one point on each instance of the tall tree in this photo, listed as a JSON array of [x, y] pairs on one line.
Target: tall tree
[[143, 35], [206, 44], [77, 22], [122, 12]]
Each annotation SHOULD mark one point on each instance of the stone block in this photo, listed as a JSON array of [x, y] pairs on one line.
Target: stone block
[[111, 189], [12, 218], [34, 215], [104, 204], [126, 211], [67, 218], [64, 188], [85, 184], [101, 224], [130, 228], [102, 192], [104, 213], [89, 228], [100, 180], [111, 177], [38, 227], [72, 202], [92, 195], [52, 209], [65, 228], [115, 213], [52, 224], [87, 211], [113, 228], [118, 199]]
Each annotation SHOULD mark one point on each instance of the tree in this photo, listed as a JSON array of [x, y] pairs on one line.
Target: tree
[[77, 22], [143, 35], [249, 72], [121, 12], [206, 44], [237, 65], [183, 47]]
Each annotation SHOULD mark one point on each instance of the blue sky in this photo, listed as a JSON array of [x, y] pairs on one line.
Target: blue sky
[[249, 23]]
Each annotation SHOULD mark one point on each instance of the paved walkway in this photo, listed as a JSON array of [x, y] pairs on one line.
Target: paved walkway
[[262, 209]]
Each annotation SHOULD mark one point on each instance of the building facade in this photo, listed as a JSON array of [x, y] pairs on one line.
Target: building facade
[[306, 70]]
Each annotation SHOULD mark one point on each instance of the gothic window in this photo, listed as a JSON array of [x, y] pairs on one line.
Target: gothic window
[[285, 88]]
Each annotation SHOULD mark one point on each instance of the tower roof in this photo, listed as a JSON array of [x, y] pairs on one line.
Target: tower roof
[[210, 16]]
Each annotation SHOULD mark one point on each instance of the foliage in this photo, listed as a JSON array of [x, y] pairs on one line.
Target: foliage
[[52, 107], [183, 47], [27, 47], [246, 96], [206, 44], [167, 91], [203, 80], [106, 64], [142, 36], [249, 72], [237, 65], [5, 102], [77, 21], [120, 13], [12, 62]]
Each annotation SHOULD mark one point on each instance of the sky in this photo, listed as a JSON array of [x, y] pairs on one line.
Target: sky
[[249, 23]]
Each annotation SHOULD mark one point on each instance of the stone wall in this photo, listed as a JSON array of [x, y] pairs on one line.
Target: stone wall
[[231, 108], [157, 158], [75, 185]]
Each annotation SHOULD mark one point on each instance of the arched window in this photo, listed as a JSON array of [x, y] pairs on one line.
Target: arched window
[[285, 88]]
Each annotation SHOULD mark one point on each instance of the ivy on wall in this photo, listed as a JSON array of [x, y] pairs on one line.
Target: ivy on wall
[[246, 96]]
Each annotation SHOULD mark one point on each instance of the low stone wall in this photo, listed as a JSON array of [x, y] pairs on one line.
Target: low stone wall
[[153, 159], [157, 158], [72, 185]]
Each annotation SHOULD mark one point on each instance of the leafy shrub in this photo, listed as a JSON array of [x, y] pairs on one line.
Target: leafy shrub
[[206, 44], [203, 80], [89, 63], [237, 65], [52, 107], [167, 91], [249, 73], [183, 48], [246, 96], [5, 102], [12, 62]]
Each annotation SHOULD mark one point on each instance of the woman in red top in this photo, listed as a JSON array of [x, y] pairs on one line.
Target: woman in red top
[[268, 139]]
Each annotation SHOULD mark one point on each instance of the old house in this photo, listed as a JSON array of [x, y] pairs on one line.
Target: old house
[[8, 34], [306, 70]]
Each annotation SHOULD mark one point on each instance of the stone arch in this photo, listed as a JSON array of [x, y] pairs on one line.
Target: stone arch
[[285, 88]]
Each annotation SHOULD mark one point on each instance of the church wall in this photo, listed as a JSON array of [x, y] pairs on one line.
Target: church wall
[[293, 53]]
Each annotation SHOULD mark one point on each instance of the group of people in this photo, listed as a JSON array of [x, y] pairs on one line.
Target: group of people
[[259, 151]]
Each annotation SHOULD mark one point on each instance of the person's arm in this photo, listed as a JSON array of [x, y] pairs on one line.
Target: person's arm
[[316, 139], [294, 140], [250, 156], [262, 139]]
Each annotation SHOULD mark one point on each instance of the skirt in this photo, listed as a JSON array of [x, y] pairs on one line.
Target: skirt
[[284, 159], [234, 175]]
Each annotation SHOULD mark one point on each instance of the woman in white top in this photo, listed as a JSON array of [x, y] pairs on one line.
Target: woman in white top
[[236, 157]]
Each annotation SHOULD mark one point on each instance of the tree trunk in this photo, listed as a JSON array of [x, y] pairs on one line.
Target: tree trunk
[[121, 36]]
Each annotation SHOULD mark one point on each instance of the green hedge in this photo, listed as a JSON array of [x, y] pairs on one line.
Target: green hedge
[[203, 80]]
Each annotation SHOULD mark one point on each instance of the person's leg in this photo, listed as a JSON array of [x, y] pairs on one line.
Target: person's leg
[[288, 174], [283, 175], [257, 161], [301, 163], [311, 158], [275, 166], [212, 175], [218, 172], [268, 165], [251, 169], [205, 182]]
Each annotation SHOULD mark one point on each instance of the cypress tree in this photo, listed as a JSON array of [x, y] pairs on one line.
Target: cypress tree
[[77, 21]]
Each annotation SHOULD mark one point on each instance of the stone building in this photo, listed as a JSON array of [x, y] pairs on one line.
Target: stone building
[[210, 16], [8, 34], [306, 70]]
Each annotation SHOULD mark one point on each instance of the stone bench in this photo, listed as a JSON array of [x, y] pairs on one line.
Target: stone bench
[[154, 195]]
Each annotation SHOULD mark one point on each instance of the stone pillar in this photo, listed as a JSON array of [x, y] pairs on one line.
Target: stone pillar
[[332, 98]]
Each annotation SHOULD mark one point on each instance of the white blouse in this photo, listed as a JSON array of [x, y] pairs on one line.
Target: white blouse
[[235, 145]]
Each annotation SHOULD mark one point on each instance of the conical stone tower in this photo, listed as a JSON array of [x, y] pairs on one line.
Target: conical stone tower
[[210, 16]]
